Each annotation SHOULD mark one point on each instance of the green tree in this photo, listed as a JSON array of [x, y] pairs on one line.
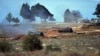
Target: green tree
[[85, 21], [97, 11], [93, 20], [25, 11], [67, 15], [16, 20], [76, 15], [9, 17], [42, 12]]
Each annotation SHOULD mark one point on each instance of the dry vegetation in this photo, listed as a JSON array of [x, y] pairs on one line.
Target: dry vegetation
[[68, 44], [85, 46]]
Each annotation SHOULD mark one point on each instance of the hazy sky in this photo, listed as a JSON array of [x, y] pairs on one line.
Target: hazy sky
[[56, 7]]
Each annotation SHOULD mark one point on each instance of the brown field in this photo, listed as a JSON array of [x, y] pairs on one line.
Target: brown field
[[80, 43], [83, 46]]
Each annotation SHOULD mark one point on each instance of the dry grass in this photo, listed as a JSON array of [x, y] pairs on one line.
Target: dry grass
[[44, 53], [71, 45]]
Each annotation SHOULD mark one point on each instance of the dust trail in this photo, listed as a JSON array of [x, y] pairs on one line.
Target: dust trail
[[14, 31]]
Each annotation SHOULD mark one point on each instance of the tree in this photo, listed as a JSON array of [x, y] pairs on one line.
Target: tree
[[16, 20], [37, 10], [77, 15], [32, 18], [97, 12], [25, 11], [93, 20], [72, 16], [51, 19], [66, 15], [9, 17], [85, 21], [67, 12], [41, 11]]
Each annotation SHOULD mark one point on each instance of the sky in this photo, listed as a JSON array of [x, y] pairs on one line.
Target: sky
[[56, 7]]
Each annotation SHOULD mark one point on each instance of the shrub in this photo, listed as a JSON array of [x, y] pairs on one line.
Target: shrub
[[5, 46], [53, 48], [31, 43]]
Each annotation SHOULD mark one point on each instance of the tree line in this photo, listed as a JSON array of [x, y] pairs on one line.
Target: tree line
[[10, 18], [29, 13], [97, 13], [72, 16], [38, 10]]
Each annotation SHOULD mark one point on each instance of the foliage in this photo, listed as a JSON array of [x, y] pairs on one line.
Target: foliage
[[97, 12], [52, 19], [5, 46], [42, 12], [76, 14], [32, 43], [93, 20], [85, 21], [72, 16], [37, 10], [9, 17], [67, 12], [16, 20], [25, 11], [53, 48]]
